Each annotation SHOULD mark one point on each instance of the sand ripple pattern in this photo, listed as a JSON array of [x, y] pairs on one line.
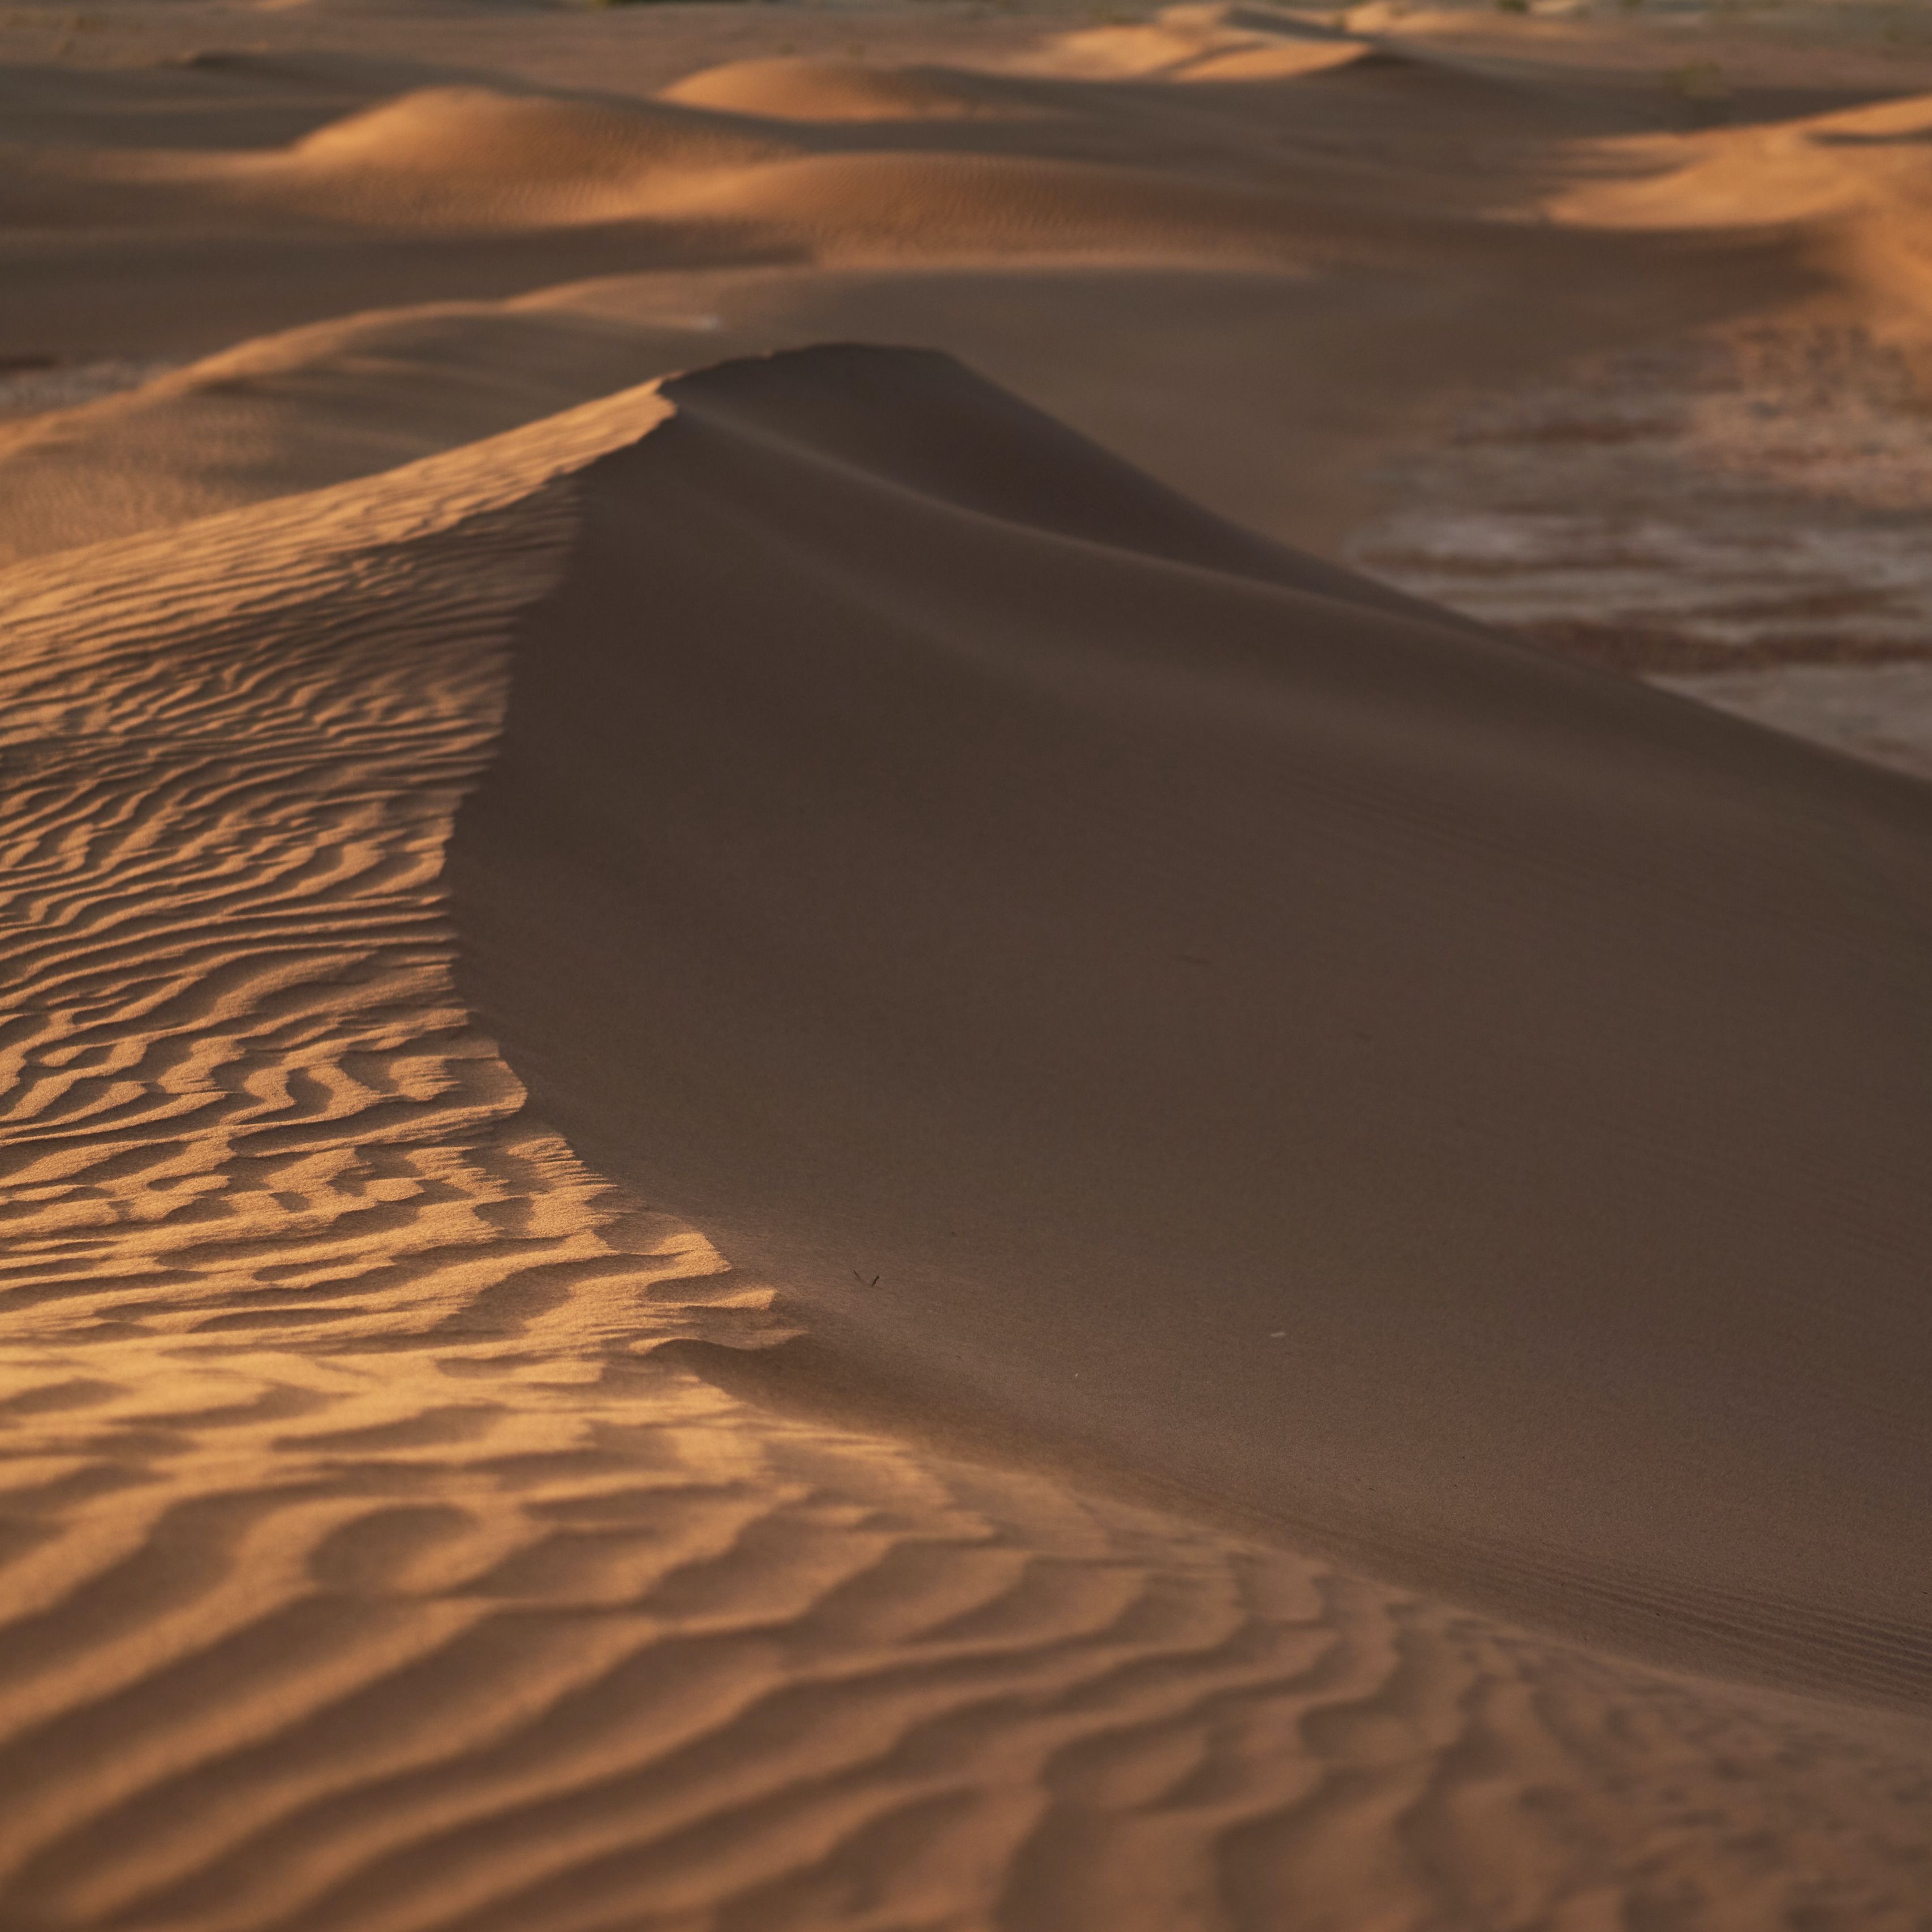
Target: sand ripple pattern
[[370, 1563]]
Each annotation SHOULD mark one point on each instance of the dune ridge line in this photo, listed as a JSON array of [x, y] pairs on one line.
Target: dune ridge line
[[374, 1558], [1192, 1002]]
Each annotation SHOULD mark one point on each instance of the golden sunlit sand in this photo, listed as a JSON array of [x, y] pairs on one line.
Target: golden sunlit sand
[[899, 1033]]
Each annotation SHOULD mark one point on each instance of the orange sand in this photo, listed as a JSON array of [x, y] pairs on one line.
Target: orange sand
[[782, 1155]]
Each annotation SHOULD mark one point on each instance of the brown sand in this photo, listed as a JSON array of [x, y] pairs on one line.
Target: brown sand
[[1140, 983], [1249, 1258], [1309, 263]]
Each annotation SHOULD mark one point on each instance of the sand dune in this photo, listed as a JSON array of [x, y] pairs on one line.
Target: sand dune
[[795, 89], [380, 1562], [1822, 165], [299, 411], [444, 154], [1058, 1220], [1195, 49], [1223, 1014], [450, 158], [1242, 237]]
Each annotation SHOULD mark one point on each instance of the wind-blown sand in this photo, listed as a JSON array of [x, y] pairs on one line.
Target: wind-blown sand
[[780, 1154], [1147, 985]]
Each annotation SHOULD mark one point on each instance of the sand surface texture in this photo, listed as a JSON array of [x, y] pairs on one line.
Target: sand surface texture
[[823, 1145]]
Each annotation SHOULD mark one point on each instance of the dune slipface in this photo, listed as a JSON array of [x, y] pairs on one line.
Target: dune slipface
[[1117, 974]]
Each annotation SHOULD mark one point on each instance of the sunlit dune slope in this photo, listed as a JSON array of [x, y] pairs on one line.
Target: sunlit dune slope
[[374, 1559], [1318, 254], [1231, 1258], [1210, 129], [1119, 975], [1857, 181], [789, 88], [301, 410], [454, 159]]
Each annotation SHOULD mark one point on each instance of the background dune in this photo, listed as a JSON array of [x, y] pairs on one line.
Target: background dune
[[1332, 264], [790, 88]]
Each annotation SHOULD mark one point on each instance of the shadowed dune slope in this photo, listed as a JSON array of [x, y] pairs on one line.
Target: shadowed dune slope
[[1113, 971]]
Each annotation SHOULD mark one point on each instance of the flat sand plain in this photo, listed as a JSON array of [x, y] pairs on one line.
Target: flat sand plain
[[899, 1035]]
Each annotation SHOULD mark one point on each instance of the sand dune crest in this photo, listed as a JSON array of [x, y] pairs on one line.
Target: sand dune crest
[[1045, 929], [439, 154], [1232, 1256], [791, 89], [371, 1565]]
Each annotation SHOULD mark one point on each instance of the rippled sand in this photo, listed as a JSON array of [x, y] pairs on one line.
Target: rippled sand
[[1054, 1219]]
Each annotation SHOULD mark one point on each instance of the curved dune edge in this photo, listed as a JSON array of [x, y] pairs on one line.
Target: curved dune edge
[[472, 158], [1076, 142], [1150, 985], [789, 87], [370, 1563]]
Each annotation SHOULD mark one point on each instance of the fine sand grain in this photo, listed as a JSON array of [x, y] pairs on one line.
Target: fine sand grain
[[781, 1156], [379, 1560]]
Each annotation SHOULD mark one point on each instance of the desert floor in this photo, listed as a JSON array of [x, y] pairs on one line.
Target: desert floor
[[966, 968]]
